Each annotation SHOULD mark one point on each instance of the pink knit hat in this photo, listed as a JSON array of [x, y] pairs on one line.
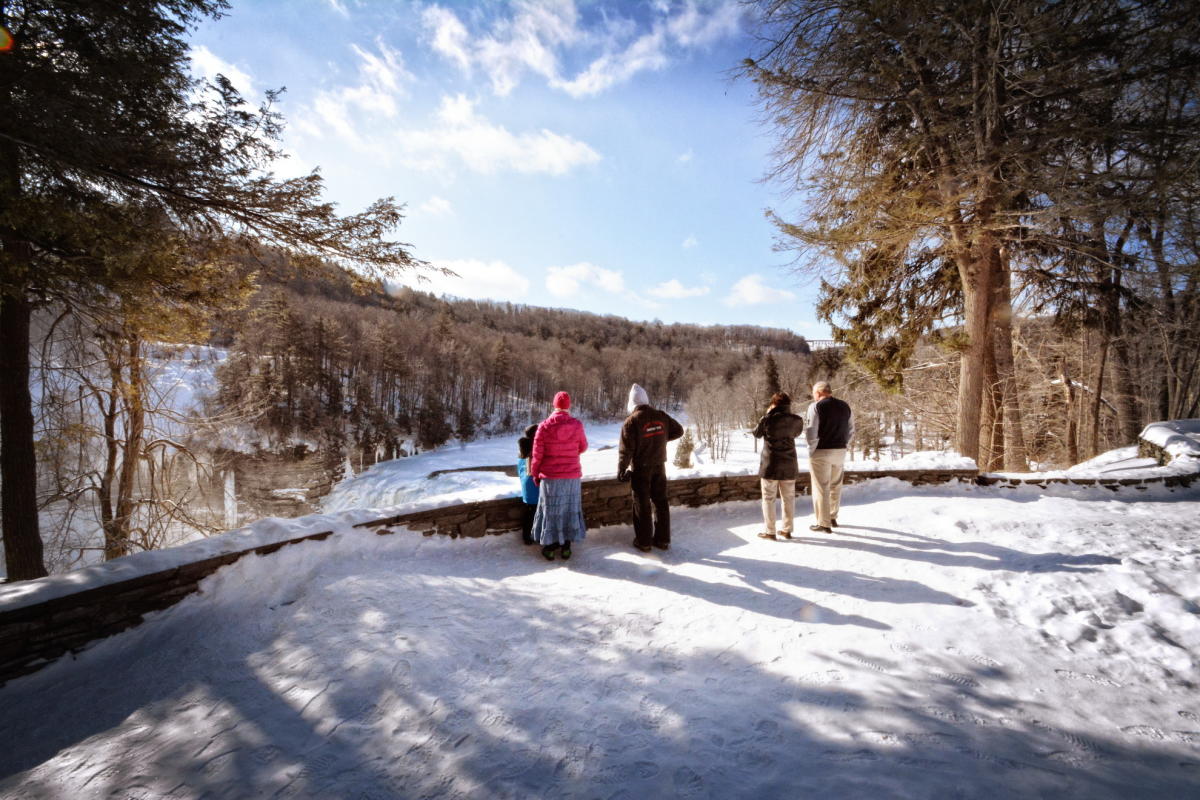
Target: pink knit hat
[[562, 400]]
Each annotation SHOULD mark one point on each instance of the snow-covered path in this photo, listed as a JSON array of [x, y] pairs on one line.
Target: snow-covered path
[[951, 641]]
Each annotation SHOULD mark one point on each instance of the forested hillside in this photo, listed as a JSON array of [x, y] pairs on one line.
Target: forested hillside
[[366, 370]]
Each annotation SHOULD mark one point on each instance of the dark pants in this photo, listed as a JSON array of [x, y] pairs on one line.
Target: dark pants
[[527, 512], [650, 493]]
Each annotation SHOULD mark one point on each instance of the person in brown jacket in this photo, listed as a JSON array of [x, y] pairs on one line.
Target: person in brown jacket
[[642, 461]]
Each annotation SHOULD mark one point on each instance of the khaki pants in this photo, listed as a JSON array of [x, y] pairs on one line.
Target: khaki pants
[[786, 491], [825, 467]]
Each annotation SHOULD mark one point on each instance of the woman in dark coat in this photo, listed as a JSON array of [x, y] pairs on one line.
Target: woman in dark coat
[[779, 466]]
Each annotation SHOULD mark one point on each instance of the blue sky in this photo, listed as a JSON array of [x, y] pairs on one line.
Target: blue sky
[[566, 153]]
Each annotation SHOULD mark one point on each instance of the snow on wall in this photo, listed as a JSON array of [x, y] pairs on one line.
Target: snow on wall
[[1178, 438]]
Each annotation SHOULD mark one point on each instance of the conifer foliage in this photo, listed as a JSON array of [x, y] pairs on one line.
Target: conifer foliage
[[106, 140], [952, 155]]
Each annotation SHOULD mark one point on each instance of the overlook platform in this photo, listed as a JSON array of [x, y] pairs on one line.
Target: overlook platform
[[948, 640]]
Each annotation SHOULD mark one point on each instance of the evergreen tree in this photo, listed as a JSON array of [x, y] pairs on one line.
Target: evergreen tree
[[432, 428], [683, 450], [466, 422], [771, 372], [947, 144], [104, 137]]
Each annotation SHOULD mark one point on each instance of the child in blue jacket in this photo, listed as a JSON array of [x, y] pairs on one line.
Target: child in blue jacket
[[529, 489]]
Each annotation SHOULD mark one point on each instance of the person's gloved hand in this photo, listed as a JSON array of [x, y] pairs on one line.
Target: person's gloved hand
[[623, 475]]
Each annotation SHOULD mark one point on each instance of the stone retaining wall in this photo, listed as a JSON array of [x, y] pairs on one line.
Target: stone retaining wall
[[1108, 483], [1152, 450], [608, 502], [35, 635]]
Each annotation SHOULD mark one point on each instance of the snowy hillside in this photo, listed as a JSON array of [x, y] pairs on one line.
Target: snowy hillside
[[949, 641]]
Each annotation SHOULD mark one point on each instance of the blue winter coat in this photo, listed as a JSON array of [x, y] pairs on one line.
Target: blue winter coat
[[529, 489]]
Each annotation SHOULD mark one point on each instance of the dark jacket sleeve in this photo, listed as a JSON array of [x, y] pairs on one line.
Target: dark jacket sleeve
[[625, 451], [760, 430], [674, 429]]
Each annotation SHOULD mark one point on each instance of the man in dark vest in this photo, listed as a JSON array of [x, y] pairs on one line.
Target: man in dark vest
[[642, 461], [829, 429], [779, 466]]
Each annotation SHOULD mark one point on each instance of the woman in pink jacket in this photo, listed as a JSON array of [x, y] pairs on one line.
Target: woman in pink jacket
[[555, 467]]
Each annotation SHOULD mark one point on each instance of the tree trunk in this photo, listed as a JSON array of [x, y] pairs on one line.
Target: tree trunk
[[1097, 398], [975, 272], [1016, 458], [1128, 418], [991, 418], [18, 464], [108, 413], [133, 405], [1072, 427]]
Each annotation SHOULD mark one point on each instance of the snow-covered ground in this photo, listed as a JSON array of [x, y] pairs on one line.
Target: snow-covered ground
[[1124, 462], [948, 641]]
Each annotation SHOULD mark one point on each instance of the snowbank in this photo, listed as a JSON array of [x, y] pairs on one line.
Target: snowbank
[[1178, 438]]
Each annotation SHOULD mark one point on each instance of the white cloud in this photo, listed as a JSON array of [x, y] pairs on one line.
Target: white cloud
[[684, 158], [450, 36], [208, 65], [674, 290], [693, 28], [482, 146], [436, 207], [645, 53], [567, 281], [475, 279], [339, 7], [528, 41], [572, 280], [751, 290], [382, 73], [381, 81], [689, 243], [538, 36]]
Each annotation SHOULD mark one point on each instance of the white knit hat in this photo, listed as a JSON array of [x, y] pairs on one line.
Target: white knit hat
[[637, 397]]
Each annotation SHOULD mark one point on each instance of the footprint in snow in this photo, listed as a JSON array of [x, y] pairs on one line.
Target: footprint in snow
[[877, 666], [767, 729], [1146, 731], [1099, 680], [687, 782]]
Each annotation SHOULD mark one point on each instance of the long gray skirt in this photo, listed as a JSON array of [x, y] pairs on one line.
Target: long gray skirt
[[559, 515]]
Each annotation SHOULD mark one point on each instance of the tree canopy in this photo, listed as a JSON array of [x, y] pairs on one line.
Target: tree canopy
[[936, 148], [107, 140]]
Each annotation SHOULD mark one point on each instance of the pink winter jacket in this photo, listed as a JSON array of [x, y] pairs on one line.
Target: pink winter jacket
[[556, 447]]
